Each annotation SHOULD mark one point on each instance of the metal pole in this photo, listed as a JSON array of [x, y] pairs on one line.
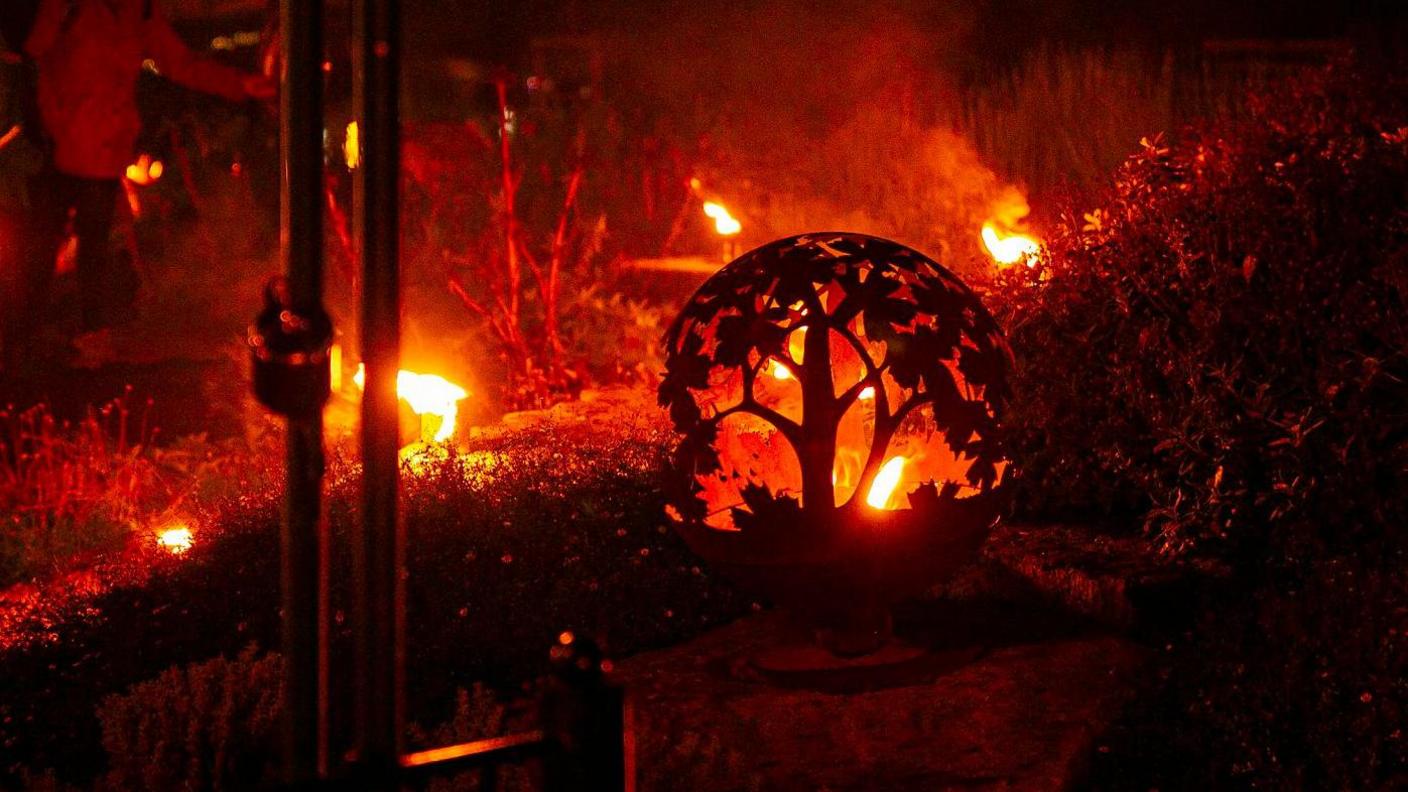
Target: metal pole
[[301, 247], [379, 551]]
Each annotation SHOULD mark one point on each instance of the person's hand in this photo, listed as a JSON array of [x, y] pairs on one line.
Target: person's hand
[[259, 87]]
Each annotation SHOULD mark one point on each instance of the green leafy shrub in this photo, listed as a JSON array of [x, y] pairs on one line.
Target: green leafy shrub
[[208, 725]]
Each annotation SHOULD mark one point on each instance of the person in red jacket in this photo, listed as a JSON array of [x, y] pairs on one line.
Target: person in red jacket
[[88, 55]]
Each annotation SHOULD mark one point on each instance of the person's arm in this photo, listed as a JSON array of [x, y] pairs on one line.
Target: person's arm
[[49, 22], [176, 62]]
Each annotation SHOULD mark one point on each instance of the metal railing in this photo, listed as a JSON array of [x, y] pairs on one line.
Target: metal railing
[[581, 742]]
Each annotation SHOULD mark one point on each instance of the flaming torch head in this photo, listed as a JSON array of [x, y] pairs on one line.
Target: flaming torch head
[[1008, 249], [724, 223], [427, 394]]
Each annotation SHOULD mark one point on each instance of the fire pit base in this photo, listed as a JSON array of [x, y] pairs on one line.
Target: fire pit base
[[810, 667]]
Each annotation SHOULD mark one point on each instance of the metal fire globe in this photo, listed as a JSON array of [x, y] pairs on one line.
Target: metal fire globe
[[838, 398]]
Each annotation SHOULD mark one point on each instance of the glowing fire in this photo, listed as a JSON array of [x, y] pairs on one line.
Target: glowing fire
[[352, 146], [145, 170], [1009, 249], [427, 394], [724, 223], [882, 491], [176, 539]]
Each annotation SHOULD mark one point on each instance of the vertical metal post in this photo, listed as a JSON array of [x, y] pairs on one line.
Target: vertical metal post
[[379, 551], [301, 248]]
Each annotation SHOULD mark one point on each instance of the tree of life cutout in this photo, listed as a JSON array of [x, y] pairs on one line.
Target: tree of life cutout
[[827, 376]]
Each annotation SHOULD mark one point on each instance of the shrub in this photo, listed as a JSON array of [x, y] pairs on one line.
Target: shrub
[[215, 725], [208, 725], [1220, 351], [1221, 345]]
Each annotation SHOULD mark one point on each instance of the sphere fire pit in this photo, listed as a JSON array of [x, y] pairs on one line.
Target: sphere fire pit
[[838, 397]]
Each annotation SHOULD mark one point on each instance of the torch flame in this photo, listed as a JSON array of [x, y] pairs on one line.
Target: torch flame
[[724, 223], [176, 539], [145, 170], [1010, 249], [427, 394], [886, 482]]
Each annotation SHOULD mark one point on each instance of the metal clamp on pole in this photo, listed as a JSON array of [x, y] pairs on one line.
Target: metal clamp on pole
[[291, 352]]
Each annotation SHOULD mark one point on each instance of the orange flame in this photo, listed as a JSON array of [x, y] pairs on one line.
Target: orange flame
[[145, 170], [427, 394], [1009, 249], [724, 223], [176, 539], [887, 481], [352, 146]]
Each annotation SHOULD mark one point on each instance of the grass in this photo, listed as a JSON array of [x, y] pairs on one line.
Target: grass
[[1063, 120], [70, 490]]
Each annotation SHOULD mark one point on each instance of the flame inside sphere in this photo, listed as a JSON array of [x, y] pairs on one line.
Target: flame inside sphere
[[886, 481]]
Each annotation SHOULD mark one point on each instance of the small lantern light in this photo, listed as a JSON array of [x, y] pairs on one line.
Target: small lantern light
[[838, 397]]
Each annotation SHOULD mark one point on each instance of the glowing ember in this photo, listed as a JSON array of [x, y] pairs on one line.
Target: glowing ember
[[145, 170], [352, 147], [724, 223], [1009, 249], [427, 394], [882, 491], [9, 136], [176, 539]]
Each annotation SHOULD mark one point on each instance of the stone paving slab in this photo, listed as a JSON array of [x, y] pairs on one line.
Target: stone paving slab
[[1023, 715]]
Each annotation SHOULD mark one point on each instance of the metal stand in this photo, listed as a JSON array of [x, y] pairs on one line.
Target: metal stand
[[582, 741], [378, 556]]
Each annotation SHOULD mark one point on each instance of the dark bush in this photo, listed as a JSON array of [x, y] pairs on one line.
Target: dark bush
[[1220, 352], [208, 725], [556, 525], [1221, 346]]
